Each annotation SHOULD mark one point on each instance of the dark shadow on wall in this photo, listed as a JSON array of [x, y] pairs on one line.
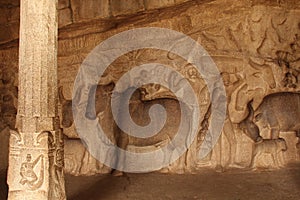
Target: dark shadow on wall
[[4, 145], [3, 185]]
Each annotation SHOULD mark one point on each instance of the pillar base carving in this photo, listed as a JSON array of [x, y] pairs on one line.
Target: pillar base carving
[[36, 166]]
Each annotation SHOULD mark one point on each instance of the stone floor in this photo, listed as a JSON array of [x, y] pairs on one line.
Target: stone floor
[[206, 184], [233, 185]]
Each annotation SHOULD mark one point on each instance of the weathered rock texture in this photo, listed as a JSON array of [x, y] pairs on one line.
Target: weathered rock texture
[[36, 155], [255, 45], [76, 11]]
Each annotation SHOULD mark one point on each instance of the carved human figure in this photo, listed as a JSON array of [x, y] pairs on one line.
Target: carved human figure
[[290, 80], [228, 131], [288, 61], [28, 174], [205, 135], [58, 174], [192, 73]]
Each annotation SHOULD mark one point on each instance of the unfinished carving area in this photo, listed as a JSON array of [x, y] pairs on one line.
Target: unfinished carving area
[[255, 46]]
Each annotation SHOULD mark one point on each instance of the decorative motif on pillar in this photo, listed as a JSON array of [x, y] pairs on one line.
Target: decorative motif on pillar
[[36, 147]]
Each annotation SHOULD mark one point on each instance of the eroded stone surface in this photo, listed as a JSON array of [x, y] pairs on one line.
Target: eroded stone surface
[[85, 10], [126, 7], [254, 45], [63, 4], [64, 17], [156, 4], [36, 152]]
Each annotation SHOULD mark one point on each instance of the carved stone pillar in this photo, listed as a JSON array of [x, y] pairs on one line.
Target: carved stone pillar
[[36, 147]]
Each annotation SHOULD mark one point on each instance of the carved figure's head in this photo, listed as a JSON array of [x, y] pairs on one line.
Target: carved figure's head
[[28, 158], [226, 78]]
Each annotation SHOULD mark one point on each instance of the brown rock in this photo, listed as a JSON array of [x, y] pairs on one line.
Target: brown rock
[[180, 1], [3, 15], [64, 17], [85, 10], [9, 32], [63, 4], [149, 4], [14, 15], [126, 7], [11, 2]]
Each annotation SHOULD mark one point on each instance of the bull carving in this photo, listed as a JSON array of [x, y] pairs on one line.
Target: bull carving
[[278, 112]]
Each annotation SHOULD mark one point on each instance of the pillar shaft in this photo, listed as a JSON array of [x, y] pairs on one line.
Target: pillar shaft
[[36, 146]]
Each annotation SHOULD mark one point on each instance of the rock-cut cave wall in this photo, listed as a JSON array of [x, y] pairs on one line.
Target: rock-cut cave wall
[[255, 45]]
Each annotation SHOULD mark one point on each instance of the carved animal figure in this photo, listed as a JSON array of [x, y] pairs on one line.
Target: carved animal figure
[[102, 92], [278, 112], [275, 147], [74, 156], [139, 109]]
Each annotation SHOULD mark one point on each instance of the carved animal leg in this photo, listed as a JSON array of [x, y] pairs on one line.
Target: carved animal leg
[[230, 134], [122, 142], [274, 125], [280, 159], [253, 160], [255, 155], [77, 164], [218, 150], [275, 159], [83, 167]]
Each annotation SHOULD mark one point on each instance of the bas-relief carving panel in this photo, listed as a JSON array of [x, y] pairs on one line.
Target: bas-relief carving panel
[[141, 101], [256, 57], [257, 52]]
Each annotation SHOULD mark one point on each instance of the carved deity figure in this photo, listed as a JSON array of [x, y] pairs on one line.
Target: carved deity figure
[[29, 177]]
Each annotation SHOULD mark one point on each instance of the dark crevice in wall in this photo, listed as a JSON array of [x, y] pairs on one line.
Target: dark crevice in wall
[[10, 44]]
